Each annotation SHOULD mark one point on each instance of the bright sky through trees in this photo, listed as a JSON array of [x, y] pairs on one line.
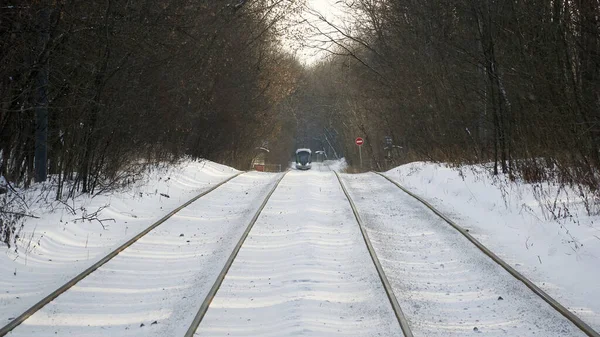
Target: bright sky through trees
[[310, 48]]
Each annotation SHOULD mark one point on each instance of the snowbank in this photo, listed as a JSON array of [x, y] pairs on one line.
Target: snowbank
[[59, 244], [338, 165], [542, 231]]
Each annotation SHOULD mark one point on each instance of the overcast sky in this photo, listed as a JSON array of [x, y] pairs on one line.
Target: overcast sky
[[332, 13]]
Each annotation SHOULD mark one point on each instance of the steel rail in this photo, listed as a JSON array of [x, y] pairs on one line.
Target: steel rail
[[21, 318], [386, 284], [215, 288], [542, 294]]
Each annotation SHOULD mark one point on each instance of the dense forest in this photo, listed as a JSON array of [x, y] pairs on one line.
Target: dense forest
[[513, 84], [92, 92], [121, 84]]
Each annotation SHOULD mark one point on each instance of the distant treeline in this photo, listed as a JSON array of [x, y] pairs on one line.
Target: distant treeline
[[514, 83], [129, 83]]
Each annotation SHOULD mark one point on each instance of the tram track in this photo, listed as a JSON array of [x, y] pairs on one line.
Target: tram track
[[217, 284], [407, 319], [49, 298], [588, 330], [384, 280], [125, 248], [537, 290], [310, 271], [431, 271]]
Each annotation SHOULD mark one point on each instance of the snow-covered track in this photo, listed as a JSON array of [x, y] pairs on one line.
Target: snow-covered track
[[304, 270], [49, 298], [213, 290], [384, 280], [585, 328]]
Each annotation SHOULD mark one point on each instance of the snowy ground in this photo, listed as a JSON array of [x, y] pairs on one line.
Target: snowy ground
[[154, 287], [561, 256], [444, 284], [56, 247], [303, 271], [334, 165]]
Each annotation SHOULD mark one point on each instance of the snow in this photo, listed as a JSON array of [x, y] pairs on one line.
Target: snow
[[56, 247], [338, 165], [515, 221], [303, 150], [170, 269], [445, 285], [303, 270]]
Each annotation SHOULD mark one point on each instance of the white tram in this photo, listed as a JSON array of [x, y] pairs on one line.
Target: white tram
[[303, 159]]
